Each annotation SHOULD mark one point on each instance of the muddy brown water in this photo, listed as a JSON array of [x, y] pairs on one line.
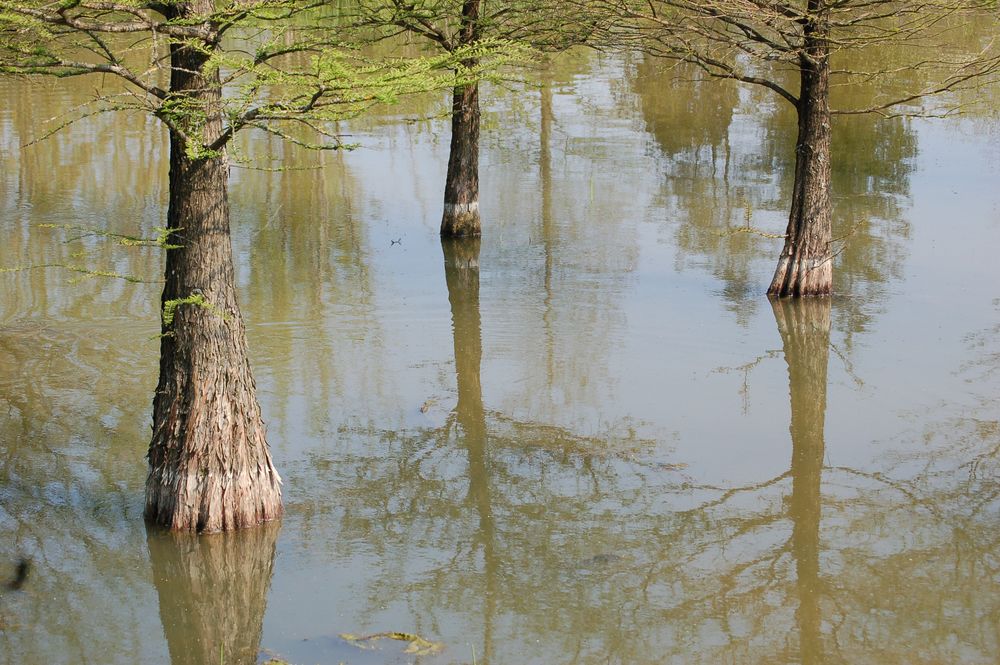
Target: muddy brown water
[[587, 439]]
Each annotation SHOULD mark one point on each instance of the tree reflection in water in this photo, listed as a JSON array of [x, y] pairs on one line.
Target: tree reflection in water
[[534, 543], [805, 336], [545, 546], [213, 592], [731, 168]]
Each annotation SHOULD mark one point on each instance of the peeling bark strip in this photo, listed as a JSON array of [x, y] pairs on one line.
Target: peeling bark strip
[[461, 191], [805, 267], [209, 464]]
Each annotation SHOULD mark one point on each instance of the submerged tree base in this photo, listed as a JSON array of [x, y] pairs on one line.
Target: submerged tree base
[[461, 220], [803, 276], [207, 502], [208, 483]]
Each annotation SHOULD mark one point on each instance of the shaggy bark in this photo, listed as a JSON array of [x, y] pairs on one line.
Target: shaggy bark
[[209, 464], [805, 265]]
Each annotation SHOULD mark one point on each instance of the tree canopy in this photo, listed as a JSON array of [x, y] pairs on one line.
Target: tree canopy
[[766, 42], [548, 25], [282, 66]]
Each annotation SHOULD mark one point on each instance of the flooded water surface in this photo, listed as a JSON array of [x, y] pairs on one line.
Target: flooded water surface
[[586, 438]]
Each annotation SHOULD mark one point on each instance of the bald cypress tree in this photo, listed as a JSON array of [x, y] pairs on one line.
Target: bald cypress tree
[[799, 49], [451, 26], [209, 69]]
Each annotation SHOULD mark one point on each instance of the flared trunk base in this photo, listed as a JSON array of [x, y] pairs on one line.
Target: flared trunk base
[[803, 276], [461, 220], [207, 502]]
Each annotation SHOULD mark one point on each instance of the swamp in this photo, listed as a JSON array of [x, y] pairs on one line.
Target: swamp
[[586, 437]]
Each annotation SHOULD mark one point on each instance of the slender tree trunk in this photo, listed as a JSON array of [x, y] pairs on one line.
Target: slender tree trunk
[[805, 266], [461, 188], [209, 464], [805, 332], [549, 231]]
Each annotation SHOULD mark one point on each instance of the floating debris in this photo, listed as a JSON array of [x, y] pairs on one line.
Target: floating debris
[[601, 560], [20, 576], [417, 646]]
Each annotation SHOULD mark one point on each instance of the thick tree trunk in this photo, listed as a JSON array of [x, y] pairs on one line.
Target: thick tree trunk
[[805, 332], [461, 190], [805, 266], [209, 464]]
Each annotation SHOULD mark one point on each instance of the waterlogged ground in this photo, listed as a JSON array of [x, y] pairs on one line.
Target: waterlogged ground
[[588, 439]]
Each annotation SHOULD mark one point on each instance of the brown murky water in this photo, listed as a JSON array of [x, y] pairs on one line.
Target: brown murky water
[[587, 439]]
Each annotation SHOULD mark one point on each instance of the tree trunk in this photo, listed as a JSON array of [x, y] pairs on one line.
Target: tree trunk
[[461, 187], [461, 190], [209, 464], [805, 266]]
